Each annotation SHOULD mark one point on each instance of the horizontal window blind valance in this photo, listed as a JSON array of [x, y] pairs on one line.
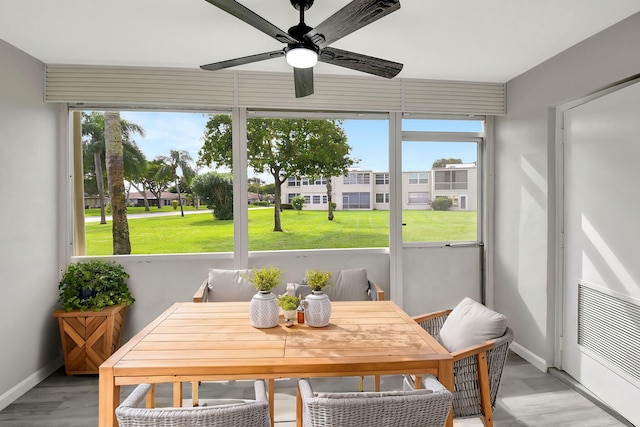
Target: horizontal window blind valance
[[179, 87]]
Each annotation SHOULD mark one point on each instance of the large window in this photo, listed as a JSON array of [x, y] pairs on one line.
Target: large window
[[419, 178], [358, 192], [382, 178], [356, 200], [163, 212], [343, 191], [418, 198], [357, 178], [451, 179]]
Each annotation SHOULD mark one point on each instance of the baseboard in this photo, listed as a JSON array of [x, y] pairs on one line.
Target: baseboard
[[529, 356], [28, 383]]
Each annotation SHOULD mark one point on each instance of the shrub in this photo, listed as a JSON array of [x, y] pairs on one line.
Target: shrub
[[441, 203], [287, 206], [216, 190], [297, 203], [174, 204], [94, 285]]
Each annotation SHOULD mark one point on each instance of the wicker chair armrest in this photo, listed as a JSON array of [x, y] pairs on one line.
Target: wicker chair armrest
[[260, 388], [201, 293], [473, 350], [137, 396], [429, 316], [432, 322], [377, 294]]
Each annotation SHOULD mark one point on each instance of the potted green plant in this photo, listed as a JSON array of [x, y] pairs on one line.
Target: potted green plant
[[263, 309], [265, 279], [289, 305], [317, 280], [94, 285], [93, 296], [317, 304]]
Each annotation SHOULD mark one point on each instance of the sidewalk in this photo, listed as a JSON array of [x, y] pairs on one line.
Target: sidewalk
[[150, 214]]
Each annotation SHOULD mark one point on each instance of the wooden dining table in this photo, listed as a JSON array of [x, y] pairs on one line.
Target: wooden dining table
[[214, 341]]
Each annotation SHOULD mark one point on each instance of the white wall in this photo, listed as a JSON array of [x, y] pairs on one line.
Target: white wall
[[524, 178], [29, 244]]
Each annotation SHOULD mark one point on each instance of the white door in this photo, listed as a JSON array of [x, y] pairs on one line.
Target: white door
[[601, 217]]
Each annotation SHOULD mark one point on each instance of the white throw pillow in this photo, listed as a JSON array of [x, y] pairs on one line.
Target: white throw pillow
[[471, 323], [230, 285]]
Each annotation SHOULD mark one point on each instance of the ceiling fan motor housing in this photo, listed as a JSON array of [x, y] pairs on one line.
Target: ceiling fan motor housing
[[304, 4]]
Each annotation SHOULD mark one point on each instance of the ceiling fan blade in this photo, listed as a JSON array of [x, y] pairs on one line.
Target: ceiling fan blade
[[239, 11], [350, 18], [303, 80], [360, 62], [241, 61]]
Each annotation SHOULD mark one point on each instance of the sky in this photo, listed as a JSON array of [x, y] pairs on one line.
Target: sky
[[166, 131]]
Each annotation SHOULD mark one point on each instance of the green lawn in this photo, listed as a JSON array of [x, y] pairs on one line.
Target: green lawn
[[306, 230]]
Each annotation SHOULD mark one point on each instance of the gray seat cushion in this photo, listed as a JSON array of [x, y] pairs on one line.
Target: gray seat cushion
[[229, 286]]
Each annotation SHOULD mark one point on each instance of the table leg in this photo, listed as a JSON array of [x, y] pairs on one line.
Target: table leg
[[445, 376], [272, 395], [108, 399], [177, 395], [298, 407]]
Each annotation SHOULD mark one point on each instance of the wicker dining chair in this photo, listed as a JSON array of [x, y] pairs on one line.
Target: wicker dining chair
[[427, 407], [477, 370], [223, 413]]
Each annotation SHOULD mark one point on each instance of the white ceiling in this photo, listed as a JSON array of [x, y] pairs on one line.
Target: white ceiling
[[470, 40]]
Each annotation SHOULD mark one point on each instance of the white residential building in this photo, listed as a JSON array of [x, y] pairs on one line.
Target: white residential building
[[369, 190]]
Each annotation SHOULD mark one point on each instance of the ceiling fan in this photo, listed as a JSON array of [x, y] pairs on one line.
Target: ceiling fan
[[306, 45]]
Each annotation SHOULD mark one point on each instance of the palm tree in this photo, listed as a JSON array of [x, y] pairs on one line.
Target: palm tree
[[93, 150], [115, 177], [177, 160]]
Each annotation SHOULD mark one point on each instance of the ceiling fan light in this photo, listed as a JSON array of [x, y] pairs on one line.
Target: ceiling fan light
[[301, 57]]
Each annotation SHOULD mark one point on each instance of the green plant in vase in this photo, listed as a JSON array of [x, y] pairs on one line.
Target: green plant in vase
[[317, 280], [288, 302], [94, 285], [263, 308], [265, 279]]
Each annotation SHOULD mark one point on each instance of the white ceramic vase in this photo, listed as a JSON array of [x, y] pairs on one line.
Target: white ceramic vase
[[264, 310], [317, 312]]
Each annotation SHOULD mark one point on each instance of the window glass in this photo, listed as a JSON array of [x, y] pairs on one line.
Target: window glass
[[164, 214], [351, 191], [440, 182]]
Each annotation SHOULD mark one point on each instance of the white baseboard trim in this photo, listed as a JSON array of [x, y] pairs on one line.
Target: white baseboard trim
[[28, 383], [529, 356]]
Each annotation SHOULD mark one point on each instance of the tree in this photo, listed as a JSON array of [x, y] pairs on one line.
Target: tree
[[216, 191], [93, 151], [280, 147], [328, 159], [115, 177], [441, 163], [155, 182], [169, 167], [298, 203]]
